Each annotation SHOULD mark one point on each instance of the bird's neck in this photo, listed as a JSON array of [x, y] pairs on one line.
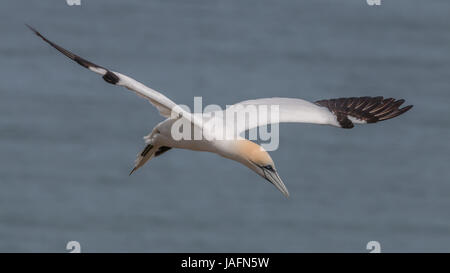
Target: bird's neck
[[237, 150]]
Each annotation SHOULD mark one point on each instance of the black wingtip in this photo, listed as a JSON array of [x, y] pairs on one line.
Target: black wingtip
[[34, 30], [110, 78], [369, 109], [30, 27], [408, 107]]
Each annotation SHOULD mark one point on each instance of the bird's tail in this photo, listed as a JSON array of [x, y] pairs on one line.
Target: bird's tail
[[144, 156], [148, 153]]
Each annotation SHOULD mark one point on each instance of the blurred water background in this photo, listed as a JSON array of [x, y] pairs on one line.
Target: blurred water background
[[68, 139]]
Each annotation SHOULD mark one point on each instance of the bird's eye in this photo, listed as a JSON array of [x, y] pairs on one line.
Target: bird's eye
[[269, 168]]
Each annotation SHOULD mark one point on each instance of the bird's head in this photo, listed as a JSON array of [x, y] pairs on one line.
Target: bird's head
[[256, 158]]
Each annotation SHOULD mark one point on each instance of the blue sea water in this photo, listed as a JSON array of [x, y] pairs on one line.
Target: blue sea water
[[68, 139]]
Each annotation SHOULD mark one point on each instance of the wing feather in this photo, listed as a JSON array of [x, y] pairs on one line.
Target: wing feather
[[342, 112], [165, 106], [364, 109]]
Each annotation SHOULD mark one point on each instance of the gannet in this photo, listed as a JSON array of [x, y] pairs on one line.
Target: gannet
[[341, 112]]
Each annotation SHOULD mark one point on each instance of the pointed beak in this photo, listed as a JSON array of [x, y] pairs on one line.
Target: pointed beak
[[274, 178]]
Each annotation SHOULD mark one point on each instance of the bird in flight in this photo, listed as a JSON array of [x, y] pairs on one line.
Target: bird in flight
[[341, 112]]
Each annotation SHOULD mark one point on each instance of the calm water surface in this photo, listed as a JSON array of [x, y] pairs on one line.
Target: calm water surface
[[68, 140]]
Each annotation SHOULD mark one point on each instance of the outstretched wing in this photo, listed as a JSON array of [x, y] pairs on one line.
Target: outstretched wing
[[343, 112], [363, 109], [165, 106]]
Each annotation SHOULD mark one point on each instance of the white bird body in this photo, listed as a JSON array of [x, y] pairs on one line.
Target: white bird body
[[162, 136], [215, 135]]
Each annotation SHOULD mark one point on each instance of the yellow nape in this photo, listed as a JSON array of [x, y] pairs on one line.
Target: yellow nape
[[254, 152]]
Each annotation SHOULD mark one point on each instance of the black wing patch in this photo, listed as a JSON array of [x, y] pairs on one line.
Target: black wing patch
[[369, 109], [109, 76], [162, 150]]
